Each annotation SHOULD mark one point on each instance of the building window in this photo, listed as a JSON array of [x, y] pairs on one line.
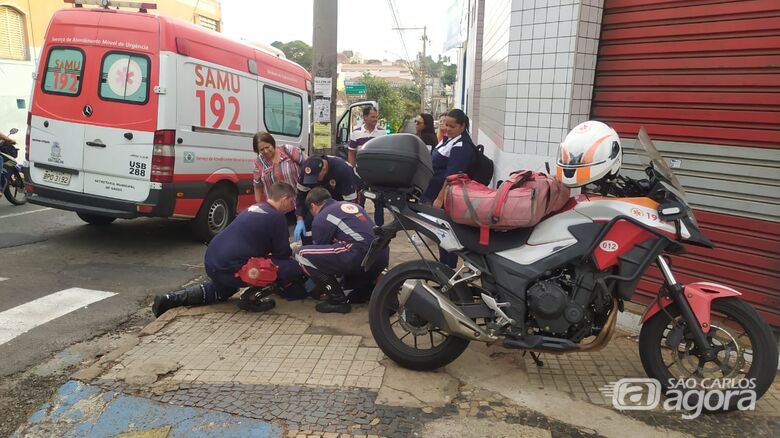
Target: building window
[[13, 38], [208, 23]]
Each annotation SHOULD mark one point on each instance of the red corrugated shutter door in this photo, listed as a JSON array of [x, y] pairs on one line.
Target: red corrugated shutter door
[[701, 72]]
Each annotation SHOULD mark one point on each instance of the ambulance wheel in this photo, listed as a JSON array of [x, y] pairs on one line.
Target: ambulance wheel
[[95, 219], [216, 213]]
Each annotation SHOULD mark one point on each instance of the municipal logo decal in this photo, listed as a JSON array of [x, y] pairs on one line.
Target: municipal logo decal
[[189, 157], [56, 153], [349, 208], [637, 212], [609, 246]]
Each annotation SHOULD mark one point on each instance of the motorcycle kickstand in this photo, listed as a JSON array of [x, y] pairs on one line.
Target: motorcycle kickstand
[[535, 357]]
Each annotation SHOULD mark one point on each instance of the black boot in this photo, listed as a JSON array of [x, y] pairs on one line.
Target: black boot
[[190, 296], [337, 301], [258, 299]]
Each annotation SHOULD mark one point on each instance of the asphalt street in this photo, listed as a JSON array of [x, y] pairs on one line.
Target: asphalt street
[[45, 251]]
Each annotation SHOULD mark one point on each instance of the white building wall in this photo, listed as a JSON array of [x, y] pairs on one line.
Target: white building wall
[[552, 49], [15, 85], [488, 115]]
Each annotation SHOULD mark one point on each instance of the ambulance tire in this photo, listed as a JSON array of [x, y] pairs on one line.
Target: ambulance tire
[[216, 213], [95, 219]]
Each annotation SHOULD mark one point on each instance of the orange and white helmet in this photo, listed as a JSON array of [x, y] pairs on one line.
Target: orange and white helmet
[[589, 152]]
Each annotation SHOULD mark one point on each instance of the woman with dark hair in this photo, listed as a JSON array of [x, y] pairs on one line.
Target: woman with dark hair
[[424, 125], [442, 131], [456, 153], [282, 163]]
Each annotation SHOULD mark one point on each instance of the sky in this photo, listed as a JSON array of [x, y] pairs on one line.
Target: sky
[[363, 26]]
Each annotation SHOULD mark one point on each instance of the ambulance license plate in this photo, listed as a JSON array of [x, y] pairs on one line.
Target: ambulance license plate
[[55, 177]]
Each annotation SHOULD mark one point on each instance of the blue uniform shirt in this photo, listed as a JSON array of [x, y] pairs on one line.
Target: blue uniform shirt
[[342, 222], [450, 156], [341, 181], [260, 231]]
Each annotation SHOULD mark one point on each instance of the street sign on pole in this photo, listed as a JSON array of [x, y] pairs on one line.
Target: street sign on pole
[[354, 88]]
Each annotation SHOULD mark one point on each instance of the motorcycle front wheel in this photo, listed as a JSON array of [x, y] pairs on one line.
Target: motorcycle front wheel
[[403, 336], [14, 190], [746, 351]]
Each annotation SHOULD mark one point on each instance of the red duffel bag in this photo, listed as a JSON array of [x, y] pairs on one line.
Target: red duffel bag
[[522, 200]]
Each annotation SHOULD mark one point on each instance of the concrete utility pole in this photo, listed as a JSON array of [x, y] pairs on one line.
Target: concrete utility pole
[[324, 65], [422, 62]]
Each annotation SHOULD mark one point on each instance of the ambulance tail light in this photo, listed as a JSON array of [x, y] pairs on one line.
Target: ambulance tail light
[[27, 138], [163, 156]]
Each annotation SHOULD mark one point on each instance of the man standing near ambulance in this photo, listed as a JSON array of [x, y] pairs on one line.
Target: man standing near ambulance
[[357, 139]]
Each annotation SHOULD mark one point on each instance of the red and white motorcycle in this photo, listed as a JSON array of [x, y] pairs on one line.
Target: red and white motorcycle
[[558, 287]]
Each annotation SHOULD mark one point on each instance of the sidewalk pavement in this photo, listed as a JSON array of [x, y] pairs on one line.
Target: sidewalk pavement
[[216, 371]]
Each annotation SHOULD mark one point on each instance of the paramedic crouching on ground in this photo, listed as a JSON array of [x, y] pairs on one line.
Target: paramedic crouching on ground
[[342, 233], [261, 231]]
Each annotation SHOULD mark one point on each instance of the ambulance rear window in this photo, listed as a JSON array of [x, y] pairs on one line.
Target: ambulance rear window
[[63, 71], [282, 112], [124, 77]]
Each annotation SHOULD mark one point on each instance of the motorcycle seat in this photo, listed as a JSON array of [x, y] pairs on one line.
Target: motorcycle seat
[[469, 236]]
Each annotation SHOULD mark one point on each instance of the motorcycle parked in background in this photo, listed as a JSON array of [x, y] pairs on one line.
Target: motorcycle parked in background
[[11, 175]]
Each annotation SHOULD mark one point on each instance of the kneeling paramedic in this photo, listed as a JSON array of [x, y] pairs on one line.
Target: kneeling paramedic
[[333, 174], [342, 233], [254, 250]]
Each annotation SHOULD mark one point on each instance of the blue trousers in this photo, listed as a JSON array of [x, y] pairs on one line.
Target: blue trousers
[[343, 259], [223, 284]]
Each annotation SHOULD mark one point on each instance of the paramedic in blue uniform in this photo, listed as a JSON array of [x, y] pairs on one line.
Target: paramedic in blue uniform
[[342, 233], [260, 231], [454, 154], [333, 174]]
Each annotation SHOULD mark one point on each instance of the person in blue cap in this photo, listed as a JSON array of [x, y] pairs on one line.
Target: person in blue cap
[[342, 233], [259, 232], [333, 174]]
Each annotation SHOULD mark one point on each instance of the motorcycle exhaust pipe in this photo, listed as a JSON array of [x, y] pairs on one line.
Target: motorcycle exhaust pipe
[[436, 308]]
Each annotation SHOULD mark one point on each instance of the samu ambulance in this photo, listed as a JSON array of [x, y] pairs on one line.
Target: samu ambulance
[[135, 115]]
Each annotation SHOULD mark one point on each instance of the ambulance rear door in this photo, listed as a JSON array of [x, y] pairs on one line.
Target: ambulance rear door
[[118, 139], [57, 117]]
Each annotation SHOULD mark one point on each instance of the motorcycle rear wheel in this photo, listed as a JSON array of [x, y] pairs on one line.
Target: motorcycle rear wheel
[[746, 349], [391, 325], [14, 189]]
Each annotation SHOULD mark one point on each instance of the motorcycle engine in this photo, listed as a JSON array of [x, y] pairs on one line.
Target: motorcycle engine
[[560, 307]]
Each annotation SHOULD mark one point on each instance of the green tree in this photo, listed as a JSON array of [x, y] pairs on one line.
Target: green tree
[[396, 105], [296, 51], [449, 75]]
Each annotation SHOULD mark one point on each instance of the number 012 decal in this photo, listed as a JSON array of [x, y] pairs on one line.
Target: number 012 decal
[[217, 109], [609, 246]]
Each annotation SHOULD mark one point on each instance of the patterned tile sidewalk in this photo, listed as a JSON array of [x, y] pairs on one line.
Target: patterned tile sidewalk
[[313, 375]]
